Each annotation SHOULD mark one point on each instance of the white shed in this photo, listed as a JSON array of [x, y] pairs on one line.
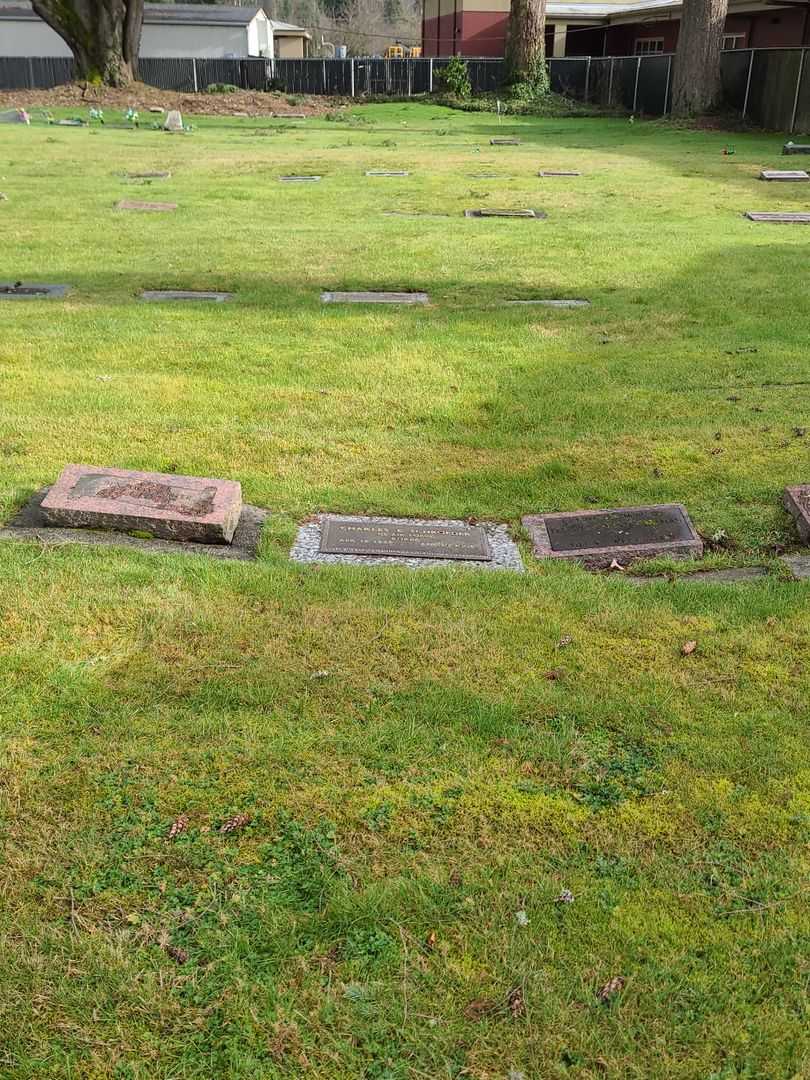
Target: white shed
[[204, 31]]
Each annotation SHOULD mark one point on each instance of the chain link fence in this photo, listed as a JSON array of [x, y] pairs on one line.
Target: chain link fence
[[771, 87]]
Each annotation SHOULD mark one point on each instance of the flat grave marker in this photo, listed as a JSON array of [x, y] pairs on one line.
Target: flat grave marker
[[150, 207], [779, 218], [784, 174], [375, 298], [796, 148], [412, 542], [148, 175], [796, 501], [386, 172], [504, 141], [558, 172], [156, 295], [299, 179], [538, 215], [10, 290], [573, 303], [597, 537], [166, 506]]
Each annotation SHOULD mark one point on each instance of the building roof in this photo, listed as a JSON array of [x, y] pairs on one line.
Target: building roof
[[175, 15]]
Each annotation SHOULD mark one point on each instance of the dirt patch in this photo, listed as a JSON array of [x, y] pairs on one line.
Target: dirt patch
[[140, 96]]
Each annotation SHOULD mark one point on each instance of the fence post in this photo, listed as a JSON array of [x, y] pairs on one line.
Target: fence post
[[635, 88], [430, 76], [194, 70], [324, 76], [610, 82], [798, 88], [666, 88], [410, 77], [351, 68], [748, 84], [587, 77]]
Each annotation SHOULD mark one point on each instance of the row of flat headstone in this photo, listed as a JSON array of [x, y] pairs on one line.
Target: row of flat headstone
[[201, 511]]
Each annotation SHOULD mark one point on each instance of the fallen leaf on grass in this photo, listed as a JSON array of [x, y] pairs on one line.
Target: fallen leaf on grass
[[238, 821], [180, 956], [564, 641], [430, 943], [179, 825], [479, 1008], [611, 988], [555, 675], [688, 648], [517, 1006]]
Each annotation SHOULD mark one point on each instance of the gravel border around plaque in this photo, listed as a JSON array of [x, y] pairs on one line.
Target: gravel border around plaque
[[31, 291], [796, 500], [29, 525], [149, 207], [778, 217], [409, 298], [550, 303], [299, 179], [508, 215], [383, 172], [784, 175], [541, 528], [156, 295], [505, 552]]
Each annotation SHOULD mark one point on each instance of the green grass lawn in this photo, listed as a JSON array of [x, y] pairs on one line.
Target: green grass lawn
[[414, 779]]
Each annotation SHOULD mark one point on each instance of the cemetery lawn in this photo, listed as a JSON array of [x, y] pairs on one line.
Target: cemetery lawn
[[433, 763]]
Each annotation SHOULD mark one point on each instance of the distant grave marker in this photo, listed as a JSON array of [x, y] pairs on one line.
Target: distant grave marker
[[185, 294], [374, 298], [796, 501], [504, 141], [558, 172], [174, 121], [539, 215], [796, 148], [409, 541], [597, 537], [288, 116], [166, 506], [147, 175], [149, 207], [787, 218], [784, 174], [299, 179], [19, 290], [386, 172], [573, 303]]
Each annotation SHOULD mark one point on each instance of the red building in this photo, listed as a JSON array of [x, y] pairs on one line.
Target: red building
[[604, 28]]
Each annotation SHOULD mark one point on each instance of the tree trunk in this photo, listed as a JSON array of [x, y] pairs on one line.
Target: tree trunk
[[104, 36], [696, 87], [526, 40]]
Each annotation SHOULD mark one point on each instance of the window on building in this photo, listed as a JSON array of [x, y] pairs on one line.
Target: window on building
[[647, 45], [733, 41]]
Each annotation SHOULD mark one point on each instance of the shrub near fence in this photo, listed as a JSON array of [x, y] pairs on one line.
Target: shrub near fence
[[769, 86]]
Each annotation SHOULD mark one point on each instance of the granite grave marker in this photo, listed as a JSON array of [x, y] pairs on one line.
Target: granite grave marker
[[150, 207], [374, 298], [780, 218], [797, 503], [784, 174]]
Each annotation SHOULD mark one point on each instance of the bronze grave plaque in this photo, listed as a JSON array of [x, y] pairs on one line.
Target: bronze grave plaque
[[420, 540]]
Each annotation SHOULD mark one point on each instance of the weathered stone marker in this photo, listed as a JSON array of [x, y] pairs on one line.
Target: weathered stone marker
[[784, 174], [597, 537], [796, 148], [20, 291], [504, 141], [409, 540], [147, 175], [166, 506], [412, 542], [787, 218], [152, 207], [184, 294], [374, 298], [797, 503], [383, 172], [174, 121], [553, 303], [558, 172], [299, 179], [539, 215]]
